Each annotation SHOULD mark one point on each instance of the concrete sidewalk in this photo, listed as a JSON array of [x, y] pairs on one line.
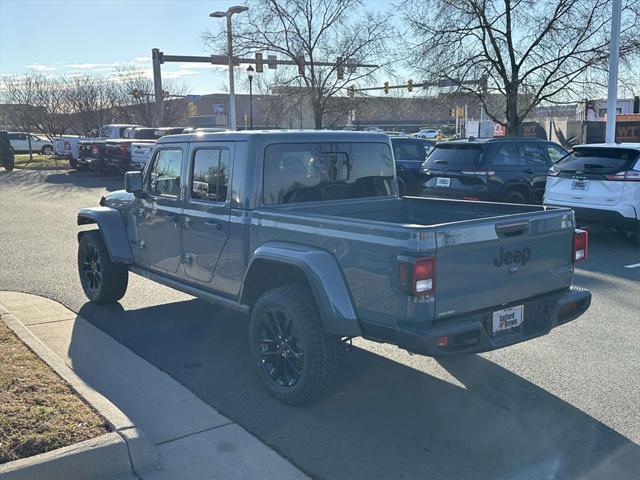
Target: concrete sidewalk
[[194, 440]]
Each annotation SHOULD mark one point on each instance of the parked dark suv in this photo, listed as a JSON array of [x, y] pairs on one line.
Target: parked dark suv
[[410, 153], [6, 152], [512, 170]]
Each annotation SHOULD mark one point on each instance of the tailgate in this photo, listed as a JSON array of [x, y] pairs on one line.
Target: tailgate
[[489, 262], [140, 152]]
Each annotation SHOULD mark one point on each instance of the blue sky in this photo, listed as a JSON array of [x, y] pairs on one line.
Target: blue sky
[[93, 36]]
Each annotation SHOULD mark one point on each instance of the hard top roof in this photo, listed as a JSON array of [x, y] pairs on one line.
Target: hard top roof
[[278, 136]]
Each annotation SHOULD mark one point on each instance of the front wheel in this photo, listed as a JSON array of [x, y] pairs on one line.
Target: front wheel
[[8, 163], [47, 150], [297, 361], [103, 281]]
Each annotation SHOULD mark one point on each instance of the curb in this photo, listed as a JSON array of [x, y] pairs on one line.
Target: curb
[[101, 457], [127, 449]]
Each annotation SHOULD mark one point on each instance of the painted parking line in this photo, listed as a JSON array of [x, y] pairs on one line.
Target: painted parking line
[[635, 265]]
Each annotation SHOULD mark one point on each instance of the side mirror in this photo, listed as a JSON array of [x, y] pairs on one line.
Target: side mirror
[[133, 182]]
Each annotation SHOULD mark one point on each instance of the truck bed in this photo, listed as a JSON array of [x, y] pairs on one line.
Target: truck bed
[[412, 211], [487, 254]]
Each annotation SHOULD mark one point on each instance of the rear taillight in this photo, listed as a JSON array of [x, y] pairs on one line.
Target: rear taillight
[[580, 245], [124, 149], [628, 176], [94, 149], [67, 145], [417, 276]]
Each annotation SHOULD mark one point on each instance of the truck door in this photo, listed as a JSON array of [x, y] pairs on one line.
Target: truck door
[[207, 210], [158, 215]]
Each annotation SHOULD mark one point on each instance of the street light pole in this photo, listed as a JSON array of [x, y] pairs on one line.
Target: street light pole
[[250, 75], [614, 57], [232, 94]]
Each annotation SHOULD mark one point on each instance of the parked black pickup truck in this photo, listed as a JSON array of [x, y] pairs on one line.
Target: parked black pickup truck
[[91, 150], [118, 150], [305, 232]]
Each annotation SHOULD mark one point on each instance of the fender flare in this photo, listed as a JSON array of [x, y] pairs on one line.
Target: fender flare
[[113, 231], [325, 277]]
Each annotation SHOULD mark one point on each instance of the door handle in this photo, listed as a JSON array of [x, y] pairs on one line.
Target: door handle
[[214, 223]]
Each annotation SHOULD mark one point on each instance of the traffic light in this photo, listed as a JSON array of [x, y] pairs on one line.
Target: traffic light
[[301, 65], [386, 87], [340, 68], [259, 67], [136, 93], [352, 91], [410, 85], [452, 112]]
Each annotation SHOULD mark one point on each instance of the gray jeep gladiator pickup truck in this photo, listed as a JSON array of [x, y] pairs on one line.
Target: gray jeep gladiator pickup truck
[[305, 232]]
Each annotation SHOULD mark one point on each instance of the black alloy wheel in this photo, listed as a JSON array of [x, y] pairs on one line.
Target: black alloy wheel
[[280, 349], [92, 269]]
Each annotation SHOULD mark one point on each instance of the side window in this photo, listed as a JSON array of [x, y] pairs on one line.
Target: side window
[[555, 153], [210, 175], [509, 154], [164, 177], [534, 154], [408, 150]]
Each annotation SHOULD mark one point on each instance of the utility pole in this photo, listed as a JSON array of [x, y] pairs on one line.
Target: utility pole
[[156, 57], [614, 57], [232, 94]]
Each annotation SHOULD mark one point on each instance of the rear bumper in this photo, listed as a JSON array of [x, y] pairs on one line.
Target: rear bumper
[[598, 216], [91, 162], [471, 333], [117, 163]]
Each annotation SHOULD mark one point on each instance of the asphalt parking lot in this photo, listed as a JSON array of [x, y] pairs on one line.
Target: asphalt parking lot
[[562, 406]]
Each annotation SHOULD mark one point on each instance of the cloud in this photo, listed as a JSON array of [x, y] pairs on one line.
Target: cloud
[[89, 66], [41, 68]]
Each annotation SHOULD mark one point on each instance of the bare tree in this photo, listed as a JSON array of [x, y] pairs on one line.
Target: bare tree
[[316, 30], [528, 52], [39, 103], [94, 101], [141, 107]]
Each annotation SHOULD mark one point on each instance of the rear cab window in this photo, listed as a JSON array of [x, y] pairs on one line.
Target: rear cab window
[[308, 172], [598, 161]]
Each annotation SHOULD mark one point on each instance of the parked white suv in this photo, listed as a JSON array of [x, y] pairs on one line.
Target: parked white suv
[[427, 133], [20, 143], [601, 183]]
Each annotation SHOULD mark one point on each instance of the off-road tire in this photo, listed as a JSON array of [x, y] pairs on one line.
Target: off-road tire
[[514, 197], [113, 277], [73, 164], [321, 352], [8, 163], [46, 150]]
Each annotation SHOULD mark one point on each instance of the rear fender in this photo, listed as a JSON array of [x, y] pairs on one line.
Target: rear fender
[[113, 231], [324, 276]]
